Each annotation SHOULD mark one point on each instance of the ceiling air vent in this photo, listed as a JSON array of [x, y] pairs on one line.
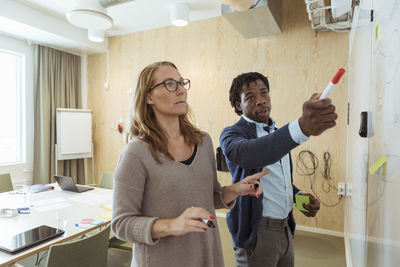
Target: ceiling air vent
[[262, 19], [109, 3]]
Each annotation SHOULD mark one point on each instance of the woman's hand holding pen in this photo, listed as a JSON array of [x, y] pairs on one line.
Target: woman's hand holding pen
[[247, 186], [191, 220], [196, 219]]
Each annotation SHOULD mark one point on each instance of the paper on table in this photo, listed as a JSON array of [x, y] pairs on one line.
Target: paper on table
[[46, 202], [56, 206], [300, 199], [37, 188], [92, 199]]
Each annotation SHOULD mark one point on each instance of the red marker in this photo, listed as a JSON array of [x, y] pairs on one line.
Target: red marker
[[332, 84]]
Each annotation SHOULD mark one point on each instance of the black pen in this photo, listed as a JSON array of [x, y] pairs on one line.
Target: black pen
[[209, 223]]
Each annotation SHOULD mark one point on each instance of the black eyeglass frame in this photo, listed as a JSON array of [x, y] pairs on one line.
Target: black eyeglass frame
[[182, 83]]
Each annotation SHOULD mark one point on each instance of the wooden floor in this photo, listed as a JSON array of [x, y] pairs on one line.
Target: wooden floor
[[311, 250], [318, 250], [119, 258]]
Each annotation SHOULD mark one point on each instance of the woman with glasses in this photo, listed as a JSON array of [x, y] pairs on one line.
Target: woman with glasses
[[165, 184]]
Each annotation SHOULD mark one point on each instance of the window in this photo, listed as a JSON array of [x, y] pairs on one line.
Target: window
[[12, 108]]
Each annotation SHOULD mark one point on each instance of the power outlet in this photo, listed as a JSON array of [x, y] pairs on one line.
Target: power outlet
[[341, 189]]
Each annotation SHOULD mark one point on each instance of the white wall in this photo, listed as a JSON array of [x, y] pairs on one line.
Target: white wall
[[22, 173]]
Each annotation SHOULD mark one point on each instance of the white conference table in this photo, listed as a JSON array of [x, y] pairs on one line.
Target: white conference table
[[56, 208]]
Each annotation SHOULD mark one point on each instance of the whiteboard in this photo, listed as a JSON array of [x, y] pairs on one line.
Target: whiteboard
[[74, 133], [372, 217]]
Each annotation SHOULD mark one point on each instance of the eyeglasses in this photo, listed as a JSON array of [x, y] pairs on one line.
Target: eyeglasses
[[172, 85]]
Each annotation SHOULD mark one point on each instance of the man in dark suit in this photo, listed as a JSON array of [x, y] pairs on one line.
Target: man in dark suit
[[262, 227]]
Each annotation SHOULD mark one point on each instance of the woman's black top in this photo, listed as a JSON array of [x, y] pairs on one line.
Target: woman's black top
[[189, 160]]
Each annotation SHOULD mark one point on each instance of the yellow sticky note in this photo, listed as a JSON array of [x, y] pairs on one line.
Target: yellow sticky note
[[106, 216], [377, 164], [106, 207], [300, 199]]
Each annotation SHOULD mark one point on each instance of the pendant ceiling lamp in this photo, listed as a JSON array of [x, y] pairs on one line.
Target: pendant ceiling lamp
[[96, 36], [179, 14]]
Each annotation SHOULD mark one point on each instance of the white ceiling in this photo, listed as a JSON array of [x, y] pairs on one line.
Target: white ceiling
[[134, 16], [44, 21]]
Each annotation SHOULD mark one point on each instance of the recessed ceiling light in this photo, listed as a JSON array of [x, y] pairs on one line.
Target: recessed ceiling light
[[89, 14], [89, 19]]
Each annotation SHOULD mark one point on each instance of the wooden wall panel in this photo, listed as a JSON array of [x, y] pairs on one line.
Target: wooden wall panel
[[211, 53]]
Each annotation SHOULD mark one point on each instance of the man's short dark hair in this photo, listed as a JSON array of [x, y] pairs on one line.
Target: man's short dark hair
[[243, 80]]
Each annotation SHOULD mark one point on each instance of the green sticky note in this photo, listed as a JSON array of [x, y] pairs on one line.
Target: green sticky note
[[300, 199], [106, 216], [377, 164]]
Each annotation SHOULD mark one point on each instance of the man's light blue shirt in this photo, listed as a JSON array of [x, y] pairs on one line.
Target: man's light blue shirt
[[278, 190]]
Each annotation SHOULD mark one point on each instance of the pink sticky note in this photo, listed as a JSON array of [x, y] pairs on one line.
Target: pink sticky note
[[87, 221]]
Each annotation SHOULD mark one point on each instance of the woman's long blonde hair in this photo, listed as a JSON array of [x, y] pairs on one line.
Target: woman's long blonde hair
[[143, 123]]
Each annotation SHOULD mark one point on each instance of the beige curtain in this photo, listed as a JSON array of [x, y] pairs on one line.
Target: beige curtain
[[57, 84]]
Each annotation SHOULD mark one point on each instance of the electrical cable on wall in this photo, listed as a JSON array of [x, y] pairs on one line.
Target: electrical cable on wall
[[302, 168], [307, 164], [323, 16], [326, 173]]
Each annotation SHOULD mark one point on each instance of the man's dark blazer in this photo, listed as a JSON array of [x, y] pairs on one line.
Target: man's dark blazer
[[246, 155]]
